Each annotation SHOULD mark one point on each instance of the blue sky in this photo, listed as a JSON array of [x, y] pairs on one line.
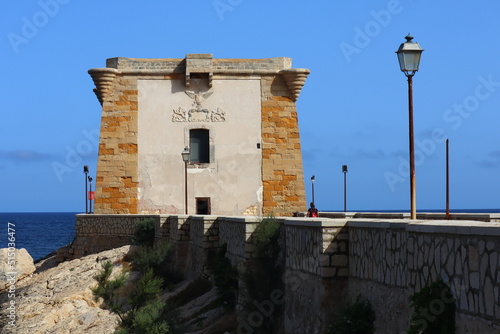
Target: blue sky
[[353, 108]]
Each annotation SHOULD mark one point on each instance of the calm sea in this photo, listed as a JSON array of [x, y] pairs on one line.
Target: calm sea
[[43, 233], [39, 233]]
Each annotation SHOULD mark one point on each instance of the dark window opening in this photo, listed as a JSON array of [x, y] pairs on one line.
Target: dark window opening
[[199, 76], [203, 205], [199, 143]]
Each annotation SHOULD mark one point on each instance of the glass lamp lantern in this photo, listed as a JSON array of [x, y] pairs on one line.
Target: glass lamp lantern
[[409, 56], [185, 155]]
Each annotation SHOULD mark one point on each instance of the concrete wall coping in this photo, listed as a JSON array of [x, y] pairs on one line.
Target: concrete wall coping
[[406, 215], [465, 227], [162, 72], [378, 223], [315, 222], [462, 227], [127, 63], [243, 219]]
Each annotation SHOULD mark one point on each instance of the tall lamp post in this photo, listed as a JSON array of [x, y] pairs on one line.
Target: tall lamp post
[[448, 179], [185, 158], [409, 60], [86, 172], [312, 184], [344, 170]]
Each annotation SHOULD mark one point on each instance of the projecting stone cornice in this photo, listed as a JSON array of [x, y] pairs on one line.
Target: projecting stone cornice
[[295, 79], [198, 64], [103, 79]]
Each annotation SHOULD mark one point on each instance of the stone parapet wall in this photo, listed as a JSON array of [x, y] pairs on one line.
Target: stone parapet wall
[[178, 65], [316, 272], [241, 229], [318, 247], [328, 262], [97, 233], [162, 228], [204, 238], [379, 253], [465, 256], [411, 255]]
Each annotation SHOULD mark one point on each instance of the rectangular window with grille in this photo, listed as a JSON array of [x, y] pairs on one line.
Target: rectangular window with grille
[[199, 142]]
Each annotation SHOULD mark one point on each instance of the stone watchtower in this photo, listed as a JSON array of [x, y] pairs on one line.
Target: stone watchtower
[[237, 117]]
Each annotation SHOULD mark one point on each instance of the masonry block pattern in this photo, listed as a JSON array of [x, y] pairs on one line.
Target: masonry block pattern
[[409, 256], [97, 233], [117, 164], [378, 254], [282, 172], [320, 248]]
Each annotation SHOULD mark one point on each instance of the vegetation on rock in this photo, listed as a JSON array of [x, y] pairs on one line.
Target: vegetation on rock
[[139, 305], [107, 288]]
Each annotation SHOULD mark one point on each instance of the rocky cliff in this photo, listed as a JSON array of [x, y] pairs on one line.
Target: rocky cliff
[[56, 298]]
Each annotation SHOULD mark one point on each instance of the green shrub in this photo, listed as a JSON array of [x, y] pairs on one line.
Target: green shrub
[[139, 308], [434, 310], [357, 318], [107, 289], [147, 288], [149, 318], [266, 236], [144, 232], [158, 258]]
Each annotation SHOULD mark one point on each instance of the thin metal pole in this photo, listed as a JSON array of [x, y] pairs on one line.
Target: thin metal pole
[[345, 192], [90, 198], [185, 189], [86, 195], [313, 192], [413, 189], [448, 179]]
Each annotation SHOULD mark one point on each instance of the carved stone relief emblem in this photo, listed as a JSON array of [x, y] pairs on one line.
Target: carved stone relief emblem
[[198, 113]]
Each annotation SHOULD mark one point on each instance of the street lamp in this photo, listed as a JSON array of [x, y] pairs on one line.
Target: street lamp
[[185, 158], [312, 184], [86, 171], [344, 170], [409, 60]]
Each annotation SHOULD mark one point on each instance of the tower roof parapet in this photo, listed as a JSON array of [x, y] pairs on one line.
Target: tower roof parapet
[[199, 64]]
